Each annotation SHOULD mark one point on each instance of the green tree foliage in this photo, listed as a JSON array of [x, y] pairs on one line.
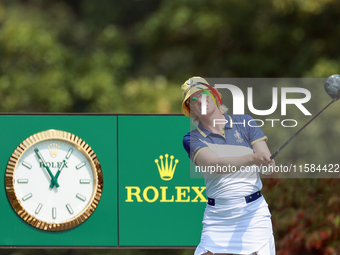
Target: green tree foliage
[[239, 38], [82, 56], [51, 63]]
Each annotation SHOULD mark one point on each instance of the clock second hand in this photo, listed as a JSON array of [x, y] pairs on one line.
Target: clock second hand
[[54, 180], [58, 172]]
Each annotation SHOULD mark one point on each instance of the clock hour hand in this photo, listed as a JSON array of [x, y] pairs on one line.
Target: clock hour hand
[[58, 172], [54, 180]]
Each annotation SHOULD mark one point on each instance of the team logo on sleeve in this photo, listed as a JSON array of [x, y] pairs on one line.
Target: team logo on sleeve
[[238, 137]]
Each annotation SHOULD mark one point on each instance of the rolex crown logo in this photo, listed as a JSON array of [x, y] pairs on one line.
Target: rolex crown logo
[[53, 148], [166, 171]]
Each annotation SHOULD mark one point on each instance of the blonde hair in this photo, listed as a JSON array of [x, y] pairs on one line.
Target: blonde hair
[[223, 109]]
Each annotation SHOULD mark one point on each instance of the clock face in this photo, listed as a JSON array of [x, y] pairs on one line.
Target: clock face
[[57, 180]]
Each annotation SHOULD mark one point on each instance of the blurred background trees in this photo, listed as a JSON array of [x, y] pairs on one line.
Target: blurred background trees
[[87, 56]]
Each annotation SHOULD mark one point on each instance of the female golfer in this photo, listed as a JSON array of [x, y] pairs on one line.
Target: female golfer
[[228, 149]]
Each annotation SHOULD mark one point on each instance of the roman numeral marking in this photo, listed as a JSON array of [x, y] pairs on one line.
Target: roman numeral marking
[[28, 196], [38, 209], [68, 155], [24, 163], [80, 165], [85, 181], [22, 180], [69, 208], [81, 197], [54, 213]]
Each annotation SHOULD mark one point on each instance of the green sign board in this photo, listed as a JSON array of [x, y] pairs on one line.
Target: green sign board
[[159, 204], [100, 133], [148, 198]]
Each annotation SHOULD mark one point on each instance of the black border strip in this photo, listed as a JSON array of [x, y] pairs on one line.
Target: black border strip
[[97, 114], [117, 182], [97, 247]]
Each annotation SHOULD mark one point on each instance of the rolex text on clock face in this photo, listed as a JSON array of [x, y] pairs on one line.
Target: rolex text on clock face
[[55, 181]]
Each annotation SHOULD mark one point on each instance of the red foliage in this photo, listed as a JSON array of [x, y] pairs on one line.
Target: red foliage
[[305, 215]]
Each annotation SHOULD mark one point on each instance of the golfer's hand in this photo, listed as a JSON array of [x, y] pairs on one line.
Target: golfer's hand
[[262, 159]]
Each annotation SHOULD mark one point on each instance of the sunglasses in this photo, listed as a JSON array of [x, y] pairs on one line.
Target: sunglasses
[[211, 89], [194, 100]]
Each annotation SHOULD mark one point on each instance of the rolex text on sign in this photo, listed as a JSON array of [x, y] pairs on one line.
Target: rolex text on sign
[[165, 194]]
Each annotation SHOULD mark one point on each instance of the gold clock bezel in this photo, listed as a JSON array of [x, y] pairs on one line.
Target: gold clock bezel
[[97, 176]]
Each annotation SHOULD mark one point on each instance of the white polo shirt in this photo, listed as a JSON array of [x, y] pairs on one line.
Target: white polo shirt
[[237, 137]]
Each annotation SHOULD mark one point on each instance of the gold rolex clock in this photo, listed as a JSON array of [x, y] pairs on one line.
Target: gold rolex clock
[[54, 180]]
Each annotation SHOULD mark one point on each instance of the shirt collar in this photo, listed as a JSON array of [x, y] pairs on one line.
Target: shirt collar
[[205, 132]]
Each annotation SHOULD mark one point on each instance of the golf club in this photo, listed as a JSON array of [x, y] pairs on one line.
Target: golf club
[[332, 87]]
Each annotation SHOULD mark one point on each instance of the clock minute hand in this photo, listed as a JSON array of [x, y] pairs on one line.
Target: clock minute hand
[[54, 180], [58, 172]]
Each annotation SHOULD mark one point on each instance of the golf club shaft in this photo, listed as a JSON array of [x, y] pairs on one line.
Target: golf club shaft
[[285, 144]]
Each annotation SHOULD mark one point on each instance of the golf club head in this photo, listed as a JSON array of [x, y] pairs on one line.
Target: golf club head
[[332, 86]]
